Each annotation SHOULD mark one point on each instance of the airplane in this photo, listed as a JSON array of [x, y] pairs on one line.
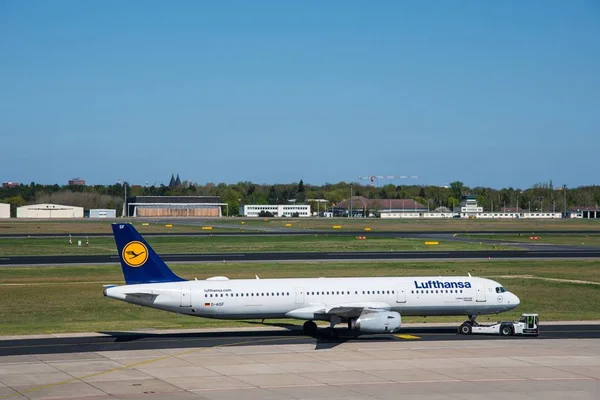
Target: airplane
[[366, 305]]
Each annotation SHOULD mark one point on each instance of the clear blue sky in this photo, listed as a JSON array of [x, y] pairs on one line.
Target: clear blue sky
[[494, 93]]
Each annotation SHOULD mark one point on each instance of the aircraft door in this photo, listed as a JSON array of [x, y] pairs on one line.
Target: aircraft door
[[480, 296], [299, 295], [401, 296], [186, 294]]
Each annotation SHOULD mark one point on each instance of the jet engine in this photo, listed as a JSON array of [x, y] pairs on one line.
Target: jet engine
[[376, 322]]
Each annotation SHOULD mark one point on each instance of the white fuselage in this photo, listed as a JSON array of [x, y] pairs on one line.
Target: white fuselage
[[279, 298]]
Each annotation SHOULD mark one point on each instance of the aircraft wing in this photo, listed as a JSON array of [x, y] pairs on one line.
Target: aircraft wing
[[351, 310], [344, 310]]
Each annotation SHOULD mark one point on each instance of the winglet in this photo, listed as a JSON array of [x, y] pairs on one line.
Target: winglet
[[139, 261]]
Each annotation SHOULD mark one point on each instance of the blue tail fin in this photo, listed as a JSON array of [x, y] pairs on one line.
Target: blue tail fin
[[140, 263]]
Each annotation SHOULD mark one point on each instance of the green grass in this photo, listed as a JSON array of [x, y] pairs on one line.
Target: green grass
[[18, 227], [442, 225], [69, 299], [547, 238], [253, 224], [228, 244]]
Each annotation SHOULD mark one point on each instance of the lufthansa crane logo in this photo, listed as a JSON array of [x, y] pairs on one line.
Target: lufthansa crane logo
[[135, 254]]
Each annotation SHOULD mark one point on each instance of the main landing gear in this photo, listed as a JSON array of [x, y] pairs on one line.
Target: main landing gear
[[310, 329], [467, 326]]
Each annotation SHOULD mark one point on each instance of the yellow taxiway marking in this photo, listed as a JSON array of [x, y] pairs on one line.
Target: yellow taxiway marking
[[408, 337], [80, 378]]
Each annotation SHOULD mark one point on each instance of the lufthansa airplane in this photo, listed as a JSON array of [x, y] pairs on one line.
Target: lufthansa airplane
[[371, 305]]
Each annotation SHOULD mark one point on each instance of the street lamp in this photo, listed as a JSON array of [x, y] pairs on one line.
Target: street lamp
[[125, 211], [350, 216], [565, 200]]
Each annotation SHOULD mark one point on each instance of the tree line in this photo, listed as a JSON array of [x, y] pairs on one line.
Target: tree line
[[540, 197]]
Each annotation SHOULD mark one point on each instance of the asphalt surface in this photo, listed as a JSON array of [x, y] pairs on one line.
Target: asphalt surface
[[317, 232], [119, 341], [307, 256]]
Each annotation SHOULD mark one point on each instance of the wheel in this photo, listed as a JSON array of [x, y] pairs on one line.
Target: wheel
[[331, 333], [465, 328], [505, 330], [309, 328]]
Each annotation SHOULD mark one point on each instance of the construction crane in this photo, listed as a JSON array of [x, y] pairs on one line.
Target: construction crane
[[372, 178]]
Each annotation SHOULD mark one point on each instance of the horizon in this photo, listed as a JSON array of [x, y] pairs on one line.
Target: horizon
[[358, 184], [499, 94]]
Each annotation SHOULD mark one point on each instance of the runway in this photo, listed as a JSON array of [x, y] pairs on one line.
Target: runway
[[314, 256], [287, 232], [292, 334]]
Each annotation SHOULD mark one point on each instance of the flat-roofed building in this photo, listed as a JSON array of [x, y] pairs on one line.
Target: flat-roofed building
[[4, 210], [358, 206], [49, 211], [277, 210], [174, 206], [101, 213]]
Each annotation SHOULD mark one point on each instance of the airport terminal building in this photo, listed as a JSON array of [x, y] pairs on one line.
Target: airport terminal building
[[174, 206]]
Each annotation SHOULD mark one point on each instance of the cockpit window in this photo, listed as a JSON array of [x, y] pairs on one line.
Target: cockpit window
[[500, 289]]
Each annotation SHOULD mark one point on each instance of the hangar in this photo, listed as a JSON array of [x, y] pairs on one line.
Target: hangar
[[386, 208], [174, 206], [4, 210], [49, 211]]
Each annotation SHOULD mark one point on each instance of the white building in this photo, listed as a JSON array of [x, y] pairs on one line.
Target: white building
[[102, 213], [276, 210], [517, 215], [468, 207], [49, 211], [4, 210]]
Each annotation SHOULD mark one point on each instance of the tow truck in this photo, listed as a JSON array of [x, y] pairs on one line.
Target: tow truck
[[527, 325]]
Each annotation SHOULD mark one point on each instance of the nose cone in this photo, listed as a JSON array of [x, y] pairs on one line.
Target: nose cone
[[514, 301]]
